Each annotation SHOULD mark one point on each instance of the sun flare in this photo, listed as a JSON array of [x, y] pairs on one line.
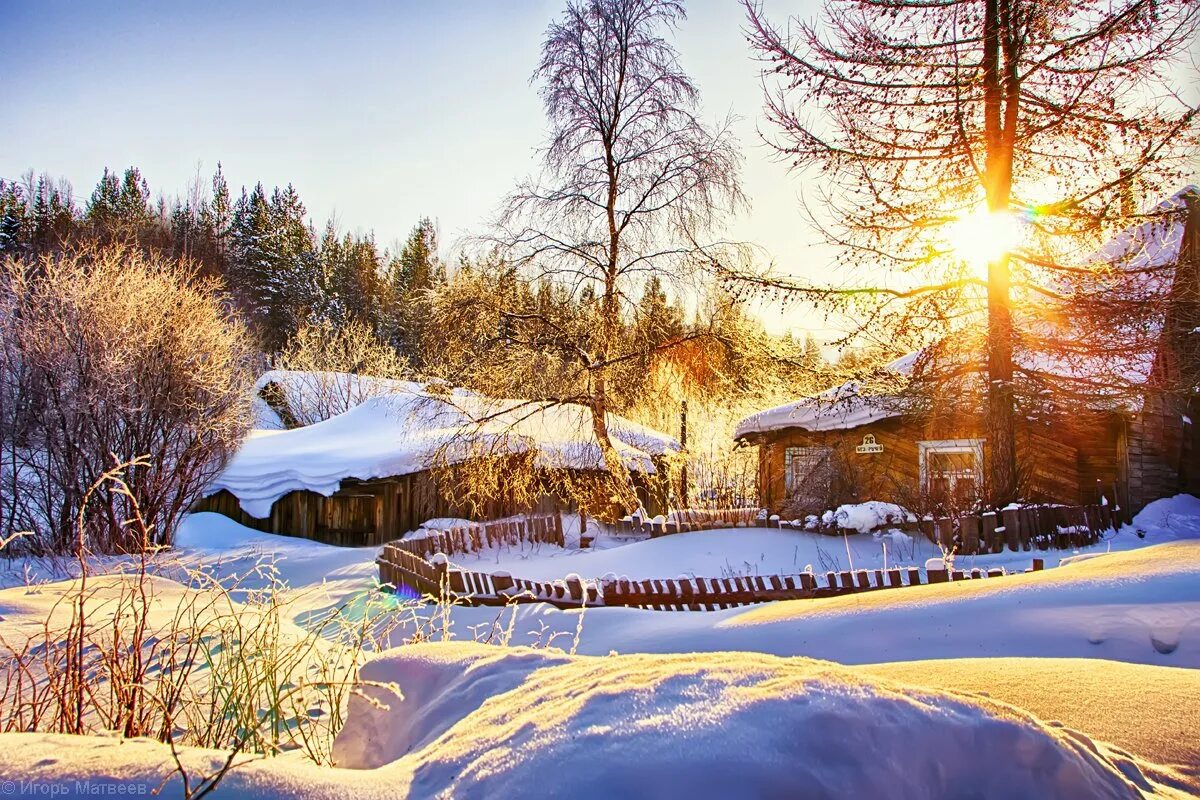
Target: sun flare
[[981, 236]]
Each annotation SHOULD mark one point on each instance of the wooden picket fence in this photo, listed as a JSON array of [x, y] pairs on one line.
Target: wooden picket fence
[[545, 528], [708, 594], [1023, 529], [694, 519], [407, 573], [419, 567]]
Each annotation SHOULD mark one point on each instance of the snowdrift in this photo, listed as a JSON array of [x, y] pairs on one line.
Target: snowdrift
[[480, 722]]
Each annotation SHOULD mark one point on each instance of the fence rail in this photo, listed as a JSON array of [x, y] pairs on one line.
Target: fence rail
[[1035, 527], [694, 519], [409, 573], [546, 529]]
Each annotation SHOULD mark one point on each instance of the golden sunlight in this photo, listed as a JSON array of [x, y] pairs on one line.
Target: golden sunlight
[[981, 236]]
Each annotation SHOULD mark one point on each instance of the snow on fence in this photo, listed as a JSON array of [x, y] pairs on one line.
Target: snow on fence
[[694, 519], [546, 529], [1022, 528], [1033, 527], [411, 574]]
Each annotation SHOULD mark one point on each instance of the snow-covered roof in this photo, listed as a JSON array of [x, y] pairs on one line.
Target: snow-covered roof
[[1143, 251], [839, 408], [404, 428], [1153, 243]]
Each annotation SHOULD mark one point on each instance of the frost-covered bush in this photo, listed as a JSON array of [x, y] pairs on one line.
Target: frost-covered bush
[[112, 356], [333, 365]]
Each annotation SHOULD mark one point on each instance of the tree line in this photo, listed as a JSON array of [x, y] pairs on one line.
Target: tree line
[[280, 271], [287, 278]]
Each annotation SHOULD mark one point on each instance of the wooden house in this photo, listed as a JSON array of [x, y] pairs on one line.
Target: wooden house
[[373, 472], [847, 445]]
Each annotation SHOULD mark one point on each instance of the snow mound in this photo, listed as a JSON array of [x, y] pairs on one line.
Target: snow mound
[[478, 722], [1169, 519], [866, 517]]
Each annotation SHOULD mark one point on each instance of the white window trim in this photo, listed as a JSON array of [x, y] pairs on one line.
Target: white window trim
[[788, 486], [949, 446]]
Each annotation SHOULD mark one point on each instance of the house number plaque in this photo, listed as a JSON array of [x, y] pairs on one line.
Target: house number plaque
[[869, 445]]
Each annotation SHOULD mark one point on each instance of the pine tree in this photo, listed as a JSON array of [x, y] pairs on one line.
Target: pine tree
[[416, 271], [101, 211], [251, 257], [51, 215], [13, 212]]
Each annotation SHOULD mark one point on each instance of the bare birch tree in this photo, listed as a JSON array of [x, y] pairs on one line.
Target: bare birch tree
[[632, 183], [1017, 131]]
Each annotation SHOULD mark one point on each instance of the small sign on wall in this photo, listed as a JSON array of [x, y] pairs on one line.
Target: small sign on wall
[[869, 445]]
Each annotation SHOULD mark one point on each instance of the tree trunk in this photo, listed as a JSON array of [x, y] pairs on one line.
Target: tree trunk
[[610, 321], [1000, 107], [622, 484]]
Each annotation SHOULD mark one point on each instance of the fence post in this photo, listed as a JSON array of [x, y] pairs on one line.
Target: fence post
[[1012, 528], [945, 532], [968, 527], [988, 522], [502, 580]]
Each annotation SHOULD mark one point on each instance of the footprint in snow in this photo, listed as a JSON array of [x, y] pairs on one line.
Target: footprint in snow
[[1165, 643]]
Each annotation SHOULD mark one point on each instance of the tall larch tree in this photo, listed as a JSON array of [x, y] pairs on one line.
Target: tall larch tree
[[1004, 132]]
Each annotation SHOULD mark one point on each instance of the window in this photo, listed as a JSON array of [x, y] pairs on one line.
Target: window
[[808, 470], [951, 470]]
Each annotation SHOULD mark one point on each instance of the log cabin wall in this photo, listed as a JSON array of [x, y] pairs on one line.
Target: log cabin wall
[[1158, 450], [372, 512], [1068, 461], [1162, 442]]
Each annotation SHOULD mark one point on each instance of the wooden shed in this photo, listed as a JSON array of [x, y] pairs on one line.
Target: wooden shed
[[367, 475]]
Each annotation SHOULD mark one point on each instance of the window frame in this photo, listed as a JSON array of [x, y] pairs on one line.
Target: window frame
[[948, 447], [789, 453]]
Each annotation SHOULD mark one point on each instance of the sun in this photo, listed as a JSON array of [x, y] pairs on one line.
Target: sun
[[981, 236]]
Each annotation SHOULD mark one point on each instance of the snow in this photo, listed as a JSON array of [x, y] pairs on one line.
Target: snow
[[723, 725], [406, 429], [1150, 244], [263, 417], [480, 721], [732, 702], [1138, 708], [312, 394], [866, 517], [839, 408]]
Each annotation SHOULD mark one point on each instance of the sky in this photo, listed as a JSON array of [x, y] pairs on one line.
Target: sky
[[379, 113]]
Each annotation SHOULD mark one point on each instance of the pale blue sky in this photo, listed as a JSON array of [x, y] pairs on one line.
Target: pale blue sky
[[378, 112]]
